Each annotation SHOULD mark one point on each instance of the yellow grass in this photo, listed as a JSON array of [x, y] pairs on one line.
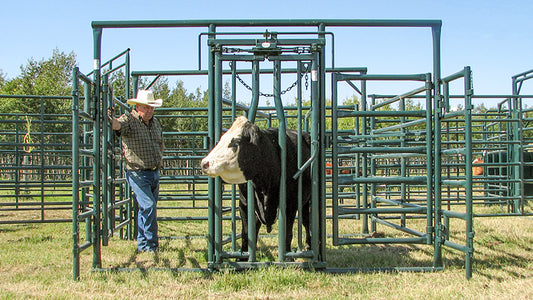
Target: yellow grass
[[36, 262]]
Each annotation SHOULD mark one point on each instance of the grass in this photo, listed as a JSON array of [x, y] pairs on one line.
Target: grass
[[36, 262]]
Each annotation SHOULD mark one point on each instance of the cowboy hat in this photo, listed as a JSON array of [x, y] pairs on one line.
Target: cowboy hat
[[146, 97]]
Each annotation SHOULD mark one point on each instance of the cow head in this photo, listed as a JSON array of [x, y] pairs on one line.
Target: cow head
[[223, 160]]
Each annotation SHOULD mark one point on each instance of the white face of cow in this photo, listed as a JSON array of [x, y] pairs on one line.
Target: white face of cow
[[223, 159]]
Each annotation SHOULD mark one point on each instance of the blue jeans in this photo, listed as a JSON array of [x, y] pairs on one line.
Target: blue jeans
[[145, 186]]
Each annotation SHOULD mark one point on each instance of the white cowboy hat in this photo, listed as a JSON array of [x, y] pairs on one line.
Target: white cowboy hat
[[146, 97]]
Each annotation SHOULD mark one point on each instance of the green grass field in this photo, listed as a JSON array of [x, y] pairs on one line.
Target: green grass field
[[36, 262]]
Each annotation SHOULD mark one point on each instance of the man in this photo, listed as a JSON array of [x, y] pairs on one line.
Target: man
[[142, 142]]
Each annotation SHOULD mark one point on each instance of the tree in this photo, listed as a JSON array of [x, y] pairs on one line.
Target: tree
[[47, 77], [2, 79], [51, 76]]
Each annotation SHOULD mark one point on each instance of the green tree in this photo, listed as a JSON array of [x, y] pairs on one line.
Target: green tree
[[47, 77], [51, 76], [177, 102], [2, 79]]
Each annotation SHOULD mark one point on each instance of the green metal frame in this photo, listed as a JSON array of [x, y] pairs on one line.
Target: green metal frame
[[93, 192], [216, 256], [35, 165]]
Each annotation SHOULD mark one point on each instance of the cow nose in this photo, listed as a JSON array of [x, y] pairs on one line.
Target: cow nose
[[204, 165]]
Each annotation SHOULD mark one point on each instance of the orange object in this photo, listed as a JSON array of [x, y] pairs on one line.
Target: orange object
[[477, 170]]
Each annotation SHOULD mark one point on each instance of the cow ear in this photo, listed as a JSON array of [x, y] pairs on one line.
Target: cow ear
[[253, 132]]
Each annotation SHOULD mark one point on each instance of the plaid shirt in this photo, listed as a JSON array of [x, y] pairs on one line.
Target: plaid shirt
[[142, 144]]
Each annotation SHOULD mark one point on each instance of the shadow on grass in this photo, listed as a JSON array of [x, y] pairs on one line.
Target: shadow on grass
[[505, 255], [379, 256], [508, 256]]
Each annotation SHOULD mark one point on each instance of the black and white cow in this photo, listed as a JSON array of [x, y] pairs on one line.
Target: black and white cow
[[246, 152]]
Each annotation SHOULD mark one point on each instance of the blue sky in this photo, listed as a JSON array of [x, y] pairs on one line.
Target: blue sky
[[495, 38]]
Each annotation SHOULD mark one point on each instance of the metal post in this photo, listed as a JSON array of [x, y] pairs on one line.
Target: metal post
[[255, 91], [211, 143], [436, 32], [468, 156], [97, 232], [334, 158], [217, 134], [252, 237], [75, 175], [282, 218], [429, 170], [300, 150], [320, 207], [106, 191], [315, 165]]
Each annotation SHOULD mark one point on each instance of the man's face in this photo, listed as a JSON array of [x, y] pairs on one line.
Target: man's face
[[145, 111]]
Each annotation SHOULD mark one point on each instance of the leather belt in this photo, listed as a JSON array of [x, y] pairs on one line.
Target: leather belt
[[151, 169]]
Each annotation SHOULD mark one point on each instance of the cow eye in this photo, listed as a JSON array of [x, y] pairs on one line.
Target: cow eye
[[234, 144]]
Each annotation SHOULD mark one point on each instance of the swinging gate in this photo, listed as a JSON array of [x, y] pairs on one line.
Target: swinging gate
[[392, 177]]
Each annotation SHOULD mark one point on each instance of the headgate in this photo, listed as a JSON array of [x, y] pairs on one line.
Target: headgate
[[390, 162], [308, 54]]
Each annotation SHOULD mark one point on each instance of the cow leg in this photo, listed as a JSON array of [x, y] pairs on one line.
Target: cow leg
[[306, 210], [291, 215]]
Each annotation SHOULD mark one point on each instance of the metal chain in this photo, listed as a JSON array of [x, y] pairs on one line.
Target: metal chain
[[282, 92]]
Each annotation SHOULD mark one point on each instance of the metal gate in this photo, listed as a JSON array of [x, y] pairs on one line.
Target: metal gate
[[399, 163], [390, 156], [308, 55], [101, 198], [395, 158]]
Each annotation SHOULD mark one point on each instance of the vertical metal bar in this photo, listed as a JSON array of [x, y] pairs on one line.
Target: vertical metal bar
[[373, 224], [86, 161], [218, 133], [135, 84], [127, 71], [41, 157], [320, 208], [106, 194], [252, 237], [255, 91], [233, 89], [516, 92], [516, 155], [97, 263], [233, 187], [300, 154], [429, 152], [403, 160], [211, 142], [315, 165], [75, 176], [468, 171], [282, 140], [334, 159], [18, 162], [365, 131], [437, 259], [436, 32]]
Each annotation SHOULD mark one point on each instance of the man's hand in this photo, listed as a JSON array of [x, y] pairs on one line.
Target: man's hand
[[115, 124], [110, 114]]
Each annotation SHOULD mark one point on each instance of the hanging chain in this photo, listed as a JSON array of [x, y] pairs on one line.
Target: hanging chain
[[282, 92]]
